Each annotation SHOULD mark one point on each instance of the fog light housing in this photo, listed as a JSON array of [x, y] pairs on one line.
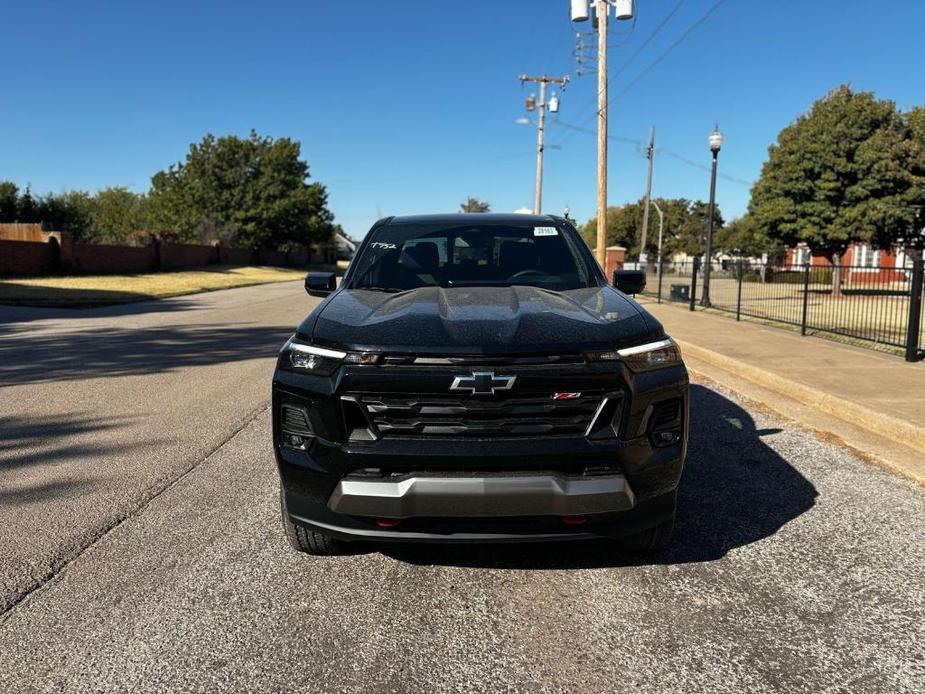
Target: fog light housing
[[666, 438]]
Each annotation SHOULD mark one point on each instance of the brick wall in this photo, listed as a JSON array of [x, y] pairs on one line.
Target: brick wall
[[237, 256], [24, 258], [98, 258], [614, 257], [271, 257], [298, 257], [177, 255], [60, 253]]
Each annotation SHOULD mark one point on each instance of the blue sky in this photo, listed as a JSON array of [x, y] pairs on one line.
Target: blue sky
[[408, 106]]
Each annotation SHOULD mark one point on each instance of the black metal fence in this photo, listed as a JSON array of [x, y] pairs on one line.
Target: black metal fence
[[880, 304]]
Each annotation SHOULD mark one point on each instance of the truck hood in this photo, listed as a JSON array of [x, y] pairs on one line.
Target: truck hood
[[480, 320]]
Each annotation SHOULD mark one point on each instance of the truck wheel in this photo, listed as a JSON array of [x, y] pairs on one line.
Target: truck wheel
[[650, 541], [304, 540]]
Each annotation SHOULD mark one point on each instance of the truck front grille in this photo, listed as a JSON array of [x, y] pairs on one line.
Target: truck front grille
[[449, 416]]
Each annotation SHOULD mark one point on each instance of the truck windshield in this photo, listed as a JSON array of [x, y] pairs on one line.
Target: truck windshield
[[399, 257]]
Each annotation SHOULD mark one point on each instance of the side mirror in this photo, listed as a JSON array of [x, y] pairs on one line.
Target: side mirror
[[320, 283], [629, 281]]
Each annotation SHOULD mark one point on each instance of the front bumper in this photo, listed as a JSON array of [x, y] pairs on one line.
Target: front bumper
[[501, 495], [479, 489], [645, 514]]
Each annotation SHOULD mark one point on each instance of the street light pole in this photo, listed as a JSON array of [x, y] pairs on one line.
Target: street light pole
[[716, 143]]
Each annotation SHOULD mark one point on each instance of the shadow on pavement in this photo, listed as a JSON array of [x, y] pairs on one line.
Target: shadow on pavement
[[14, 318], [13, 293], [736, 490], [44, 441], [113, 352]]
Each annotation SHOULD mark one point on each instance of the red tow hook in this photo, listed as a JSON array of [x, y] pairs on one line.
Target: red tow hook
[[574, 520], [388, 522]]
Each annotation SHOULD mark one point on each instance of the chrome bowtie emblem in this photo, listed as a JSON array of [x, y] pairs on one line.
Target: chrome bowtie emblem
[[483, 383]]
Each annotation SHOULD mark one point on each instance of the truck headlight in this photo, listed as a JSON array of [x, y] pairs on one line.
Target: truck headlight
[[298, 355], [647, 357], [651, 356]]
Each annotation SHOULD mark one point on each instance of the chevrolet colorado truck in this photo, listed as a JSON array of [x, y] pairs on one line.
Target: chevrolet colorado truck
[[475, 378]]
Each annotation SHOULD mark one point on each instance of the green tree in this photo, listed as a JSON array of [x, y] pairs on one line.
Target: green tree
[[689, 220], [849, 170], [742, 236], [915, 119], [623, 225], [251, 191], [474, 205], [27, 208], [683, 231], [68, 211], [118, 216], [9, 201]]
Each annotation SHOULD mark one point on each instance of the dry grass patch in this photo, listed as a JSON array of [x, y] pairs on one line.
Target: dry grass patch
[[100, 290]]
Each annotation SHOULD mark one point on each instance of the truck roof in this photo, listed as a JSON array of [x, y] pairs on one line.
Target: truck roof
[[474, 218]]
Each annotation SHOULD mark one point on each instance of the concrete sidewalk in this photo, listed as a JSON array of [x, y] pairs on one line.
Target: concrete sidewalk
[[873, 402]]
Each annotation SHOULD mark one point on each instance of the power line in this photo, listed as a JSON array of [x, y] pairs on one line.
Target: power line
[[675, 155], [641, 144], [636, 53], [651, 36], [687, 32], [715, 6]]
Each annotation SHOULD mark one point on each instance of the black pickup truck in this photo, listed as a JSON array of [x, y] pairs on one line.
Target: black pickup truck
[[474, 378]]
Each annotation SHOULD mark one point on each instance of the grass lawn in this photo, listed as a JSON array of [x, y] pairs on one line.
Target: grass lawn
[[81, 291], [856, 317]]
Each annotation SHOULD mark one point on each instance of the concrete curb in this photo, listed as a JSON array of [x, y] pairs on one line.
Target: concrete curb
[[853, 413]]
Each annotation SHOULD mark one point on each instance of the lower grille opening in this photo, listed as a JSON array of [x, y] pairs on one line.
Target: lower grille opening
[[665, 414], [665, 423], [294, 420]]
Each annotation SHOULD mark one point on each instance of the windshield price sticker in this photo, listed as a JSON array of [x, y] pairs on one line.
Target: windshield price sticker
[[385, 246], [545, 231]]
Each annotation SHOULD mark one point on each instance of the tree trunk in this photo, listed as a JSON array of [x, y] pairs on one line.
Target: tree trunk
[[836, 275]]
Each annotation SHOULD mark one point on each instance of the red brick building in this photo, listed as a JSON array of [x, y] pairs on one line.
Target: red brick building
[[860, 260]]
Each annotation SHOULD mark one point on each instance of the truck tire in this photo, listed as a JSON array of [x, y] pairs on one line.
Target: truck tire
[[308, 541]]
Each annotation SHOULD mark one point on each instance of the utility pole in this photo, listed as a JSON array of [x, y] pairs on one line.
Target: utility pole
[[650, 153], [602, 133], [623, 10], [541, 127]]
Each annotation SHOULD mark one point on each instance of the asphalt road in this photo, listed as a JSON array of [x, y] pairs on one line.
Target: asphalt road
[[141, 547], [101, 409]]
